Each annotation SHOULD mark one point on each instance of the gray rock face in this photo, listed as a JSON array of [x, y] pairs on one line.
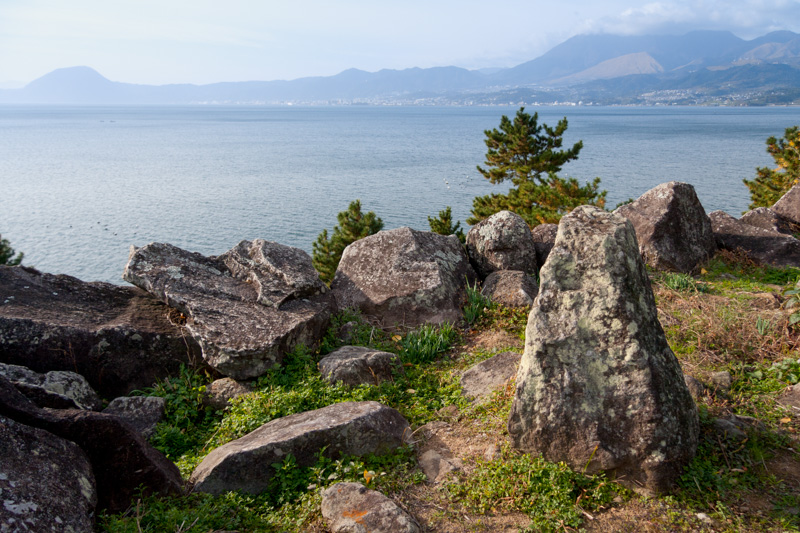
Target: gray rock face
[[118, 338], [512, 288], [439, 464], [789, 205], [122, 462], [766, 218], [351, 428], [598, 386], [672, 228], [481, 380], [357, 365], [761, 245], [243, 312], [403, 277], [353, 508], [142, 412], [501, 242], [46, 482], [221, 391], [544, 237], [57, 389]]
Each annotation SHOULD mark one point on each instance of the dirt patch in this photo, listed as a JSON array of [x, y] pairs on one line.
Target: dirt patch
[[495, 341]]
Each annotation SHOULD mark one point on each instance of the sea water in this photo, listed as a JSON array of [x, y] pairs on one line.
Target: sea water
[[80, 185]]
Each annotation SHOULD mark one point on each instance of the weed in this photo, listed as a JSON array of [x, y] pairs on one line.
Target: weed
[[426, 343], [349, 327], [476, 304], [682, 282]]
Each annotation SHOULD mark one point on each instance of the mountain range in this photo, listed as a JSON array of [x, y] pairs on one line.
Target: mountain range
[[695, 68]]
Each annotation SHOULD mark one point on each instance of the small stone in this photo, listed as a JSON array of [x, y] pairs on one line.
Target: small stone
[[438, 464], [491, 452], [221, 391], [696, 388], [722, 380], [353, 508], [142, 412]]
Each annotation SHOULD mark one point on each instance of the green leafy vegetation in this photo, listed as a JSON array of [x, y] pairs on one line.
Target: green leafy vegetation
[[427, 343], [770, 184], [7, 256], [353, 225], [477, 303], [443, 225], [530, 155]]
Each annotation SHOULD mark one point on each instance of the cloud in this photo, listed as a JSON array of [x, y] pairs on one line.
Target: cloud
[[746, 18]]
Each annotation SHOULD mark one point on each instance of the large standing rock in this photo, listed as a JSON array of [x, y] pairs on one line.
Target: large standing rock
[[118, 338], [350, 428], [122, 462], [598, 386], [761, 245], [246, 308], [46, 482], [404, 277], [512, 288], [672, 228], [58, 389], [501, 242], [353, 508], [789, 205], [358, 365]]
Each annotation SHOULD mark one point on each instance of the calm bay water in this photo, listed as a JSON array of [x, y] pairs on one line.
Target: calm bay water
[[79, 185]]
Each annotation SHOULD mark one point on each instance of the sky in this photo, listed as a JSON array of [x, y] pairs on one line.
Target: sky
[[206, 41]]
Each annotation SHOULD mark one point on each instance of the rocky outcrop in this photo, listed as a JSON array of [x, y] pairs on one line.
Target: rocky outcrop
[[672, 228], [353, 508], [142, 412], [544, 237], [221, 391], [511, 288], [122, 462], [241, 308], [789, 205], [481, 380], [598, 386], [57, 389], [350, 428], [358, 365], [46, 482], [501, 242], [404, 278], [761, 245], [766, 218], [118, 338]]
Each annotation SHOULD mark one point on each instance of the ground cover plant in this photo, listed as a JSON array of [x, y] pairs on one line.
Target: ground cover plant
[[730, 317]]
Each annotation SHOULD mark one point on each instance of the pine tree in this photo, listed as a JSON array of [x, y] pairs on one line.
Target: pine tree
[[443, 225], [530, 155], [771, 184], [353, 225], [7, 253]]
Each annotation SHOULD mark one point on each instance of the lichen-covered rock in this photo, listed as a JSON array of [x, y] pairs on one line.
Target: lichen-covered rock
[[789, 205], [244, 312], [598, 386], [142, 412], [501, 242], [349, 428], [761, 245], [123, 463], [511, 288], [46, 482], [221, 391], [544, 237], [672, 228], [118, 338], [353, 508], [57, 389], [766, 218], [403, 277], [481, 380], [358, 365]]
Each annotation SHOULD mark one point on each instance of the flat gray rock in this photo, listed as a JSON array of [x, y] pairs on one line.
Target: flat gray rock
[[511, 288], [220, 392], [761, 245], [353, 508], [672, 228], [789, 205], [544, 237], [766, 218], [404, 278], [242, 310], [481, 380], [142, 412], [598, 386], [58, 389], [118, 338], [501, 242], [350, 428], [358, 365]]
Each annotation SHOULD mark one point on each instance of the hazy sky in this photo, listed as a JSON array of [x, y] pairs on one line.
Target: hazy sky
[[203, 41]]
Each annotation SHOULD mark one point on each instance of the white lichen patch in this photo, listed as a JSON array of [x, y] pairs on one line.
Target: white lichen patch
[[20, 508]]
